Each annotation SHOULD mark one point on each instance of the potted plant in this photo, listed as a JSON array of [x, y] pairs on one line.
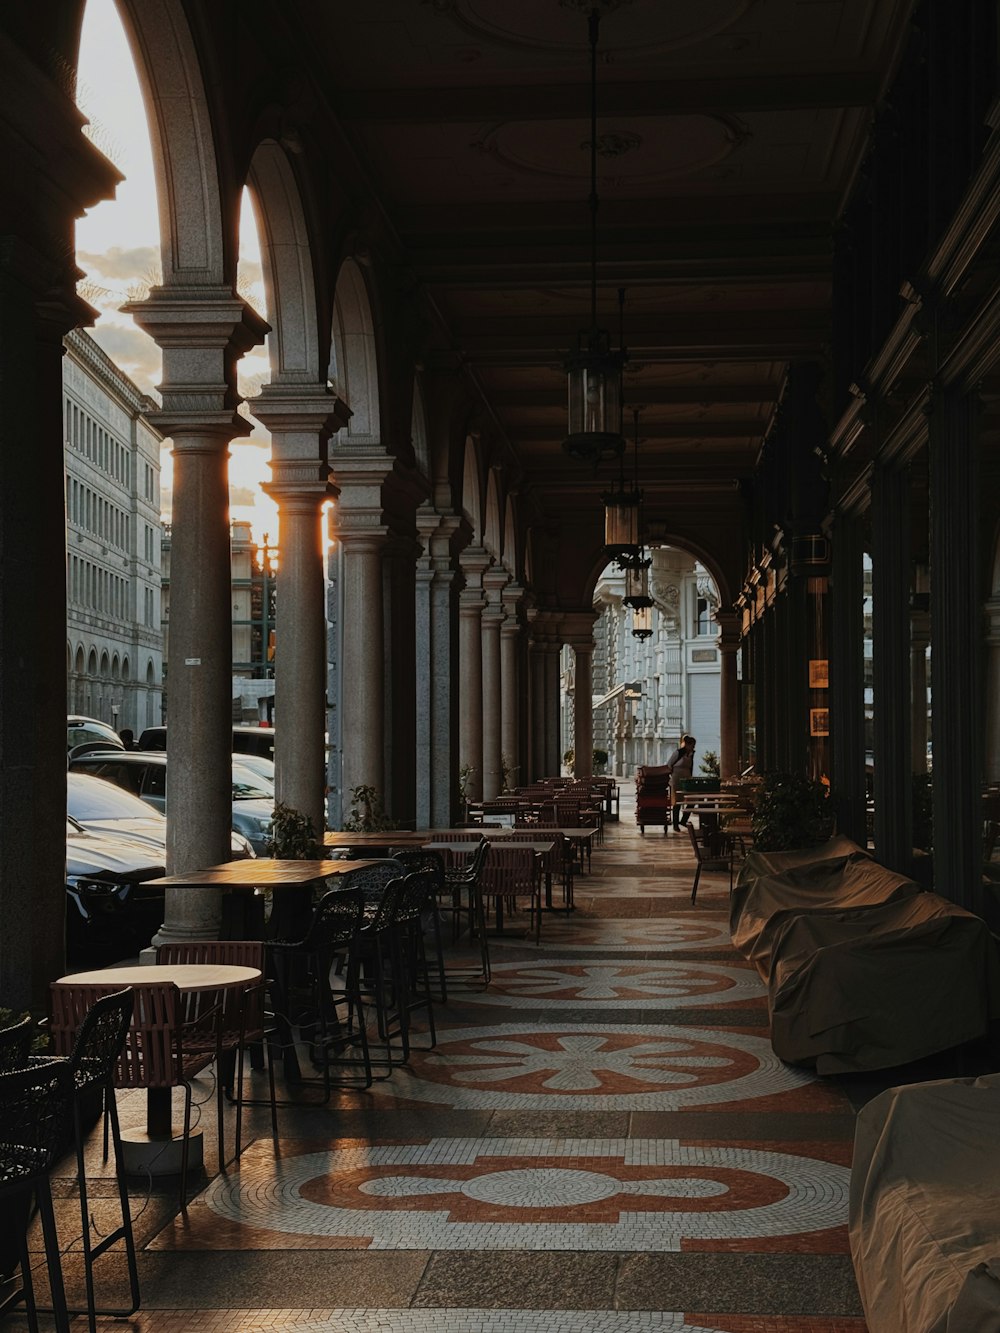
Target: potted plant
[[791, 811], [600, 759], [367, 814], [710, 764], [293, 837]]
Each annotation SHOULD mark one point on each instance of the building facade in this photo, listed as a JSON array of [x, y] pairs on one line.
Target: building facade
[[114, 642]]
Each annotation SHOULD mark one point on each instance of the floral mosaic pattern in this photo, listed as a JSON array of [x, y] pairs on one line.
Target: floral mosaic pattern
[[663, 985]]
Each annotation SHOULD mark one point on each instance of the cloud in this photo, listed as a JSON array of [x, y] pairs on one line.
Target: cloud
[[116, 262], [243, 495], [132, 350]]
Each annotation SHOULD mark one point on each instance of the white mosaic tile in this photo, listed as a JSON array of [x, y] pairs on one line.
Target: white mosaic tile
[[593, 1066], [488, 1321], [430, 1209], [564, 983], [670, 934]]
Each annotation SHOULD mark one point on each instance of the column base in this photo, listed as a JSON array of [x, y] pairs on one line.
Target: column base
[[154, 1155]]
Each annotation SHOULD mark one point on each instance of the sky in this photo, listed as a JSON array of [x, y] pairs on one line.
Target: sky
[[118, 247]]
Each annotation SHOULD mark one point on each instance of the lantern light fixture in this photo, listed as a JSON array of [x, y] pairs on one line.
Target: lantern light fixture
[[642, 622], [594, 369], [637, 586]]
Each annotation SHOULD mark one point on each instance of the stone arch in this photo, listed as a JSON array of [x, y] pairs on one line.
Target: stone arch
[[150, 673], [116, 668], [493, 534], [691, 548], [354, 368], [471, 494], [510, 538], [529, 559], [126, 669], [297, 352], [92, 662], [198, 248], [105, 665], [418, 431]]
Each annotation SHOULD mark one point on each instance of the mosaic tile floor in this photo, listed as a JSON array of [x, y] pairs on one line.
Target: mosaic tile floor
[[600, 1142]]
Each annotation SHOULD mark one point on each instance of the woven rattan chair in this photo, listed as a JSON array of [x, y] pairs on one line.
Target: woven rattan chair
[[417, 859], [241, 1022], [509, 873], [713, 850], [154, 1054]]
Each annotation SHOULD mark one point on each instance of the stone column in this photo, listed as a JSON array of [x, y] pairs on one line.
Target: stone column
[[494, 581], [202, 333], [729, 700], [474, 563], [536, 670], [891, 667], [33, 320], [956, 647], [553, 708], [511, 644], [578, 631], [300, 426], [362, 532], [400, 730], [437, 671]]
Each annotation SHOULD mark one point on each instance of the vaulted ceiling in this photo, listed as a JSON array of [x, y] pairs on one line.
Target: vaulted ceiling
[[729, 135]]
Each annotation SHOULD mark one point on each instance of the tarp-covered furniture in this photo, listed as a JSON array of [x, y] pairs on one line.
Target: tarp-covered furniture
[[838, 874], [863, 970], [925, 1208], [652, 795]]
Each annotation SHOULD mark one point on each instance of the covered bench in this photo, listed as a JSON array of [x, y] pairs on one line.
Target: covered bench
[[925, 1208]]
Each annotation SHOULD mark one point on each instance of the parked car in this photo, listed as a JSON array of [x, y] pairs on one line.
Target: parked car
[[145, 776], [109, 915], [103, 807], [91, 733], [246, 740]]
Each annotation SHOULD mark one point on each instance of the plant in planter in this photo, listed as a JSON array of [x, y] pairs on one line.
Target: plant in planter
[[293, 837], [710, 764], [507, 773], [465, 775], [569, 759], [367, 815], [600, 759], [791, 811]]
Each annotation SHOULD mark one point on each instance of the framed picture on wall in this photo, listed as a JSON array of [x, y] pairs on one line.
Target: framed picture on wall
[[819, 721], [819, 673]]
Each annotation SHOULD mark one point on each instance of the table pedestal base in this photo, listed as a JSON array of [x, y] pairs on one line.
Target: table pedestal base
[[159, 1155]]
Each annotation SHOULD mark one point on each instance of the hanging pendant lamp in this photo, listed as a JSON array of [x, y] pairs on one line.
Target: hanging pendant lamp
[[594, 369], [623, 515], [642, 622]]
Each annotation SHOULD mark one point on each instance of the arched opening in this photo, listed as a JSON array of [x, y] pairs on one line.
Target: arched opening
[[652, 688], [353, 369], [493, 540], [472, 506]]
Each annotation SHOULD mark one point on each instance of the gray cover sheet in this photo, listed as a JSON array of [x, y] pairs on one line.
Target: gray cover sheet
[[925, 1208]]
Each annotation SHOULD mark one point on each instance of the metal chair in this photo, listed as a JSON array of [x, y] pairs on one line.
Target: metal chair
[[15, 1044], [416, 859], [465, 881], [307, 965], [241, 1021], [713, 850], [93, 1053], [35, 1118]]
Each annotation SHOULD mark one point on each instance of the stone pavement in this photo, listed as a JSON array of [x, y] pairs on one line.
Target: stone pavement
[[602, 1141]]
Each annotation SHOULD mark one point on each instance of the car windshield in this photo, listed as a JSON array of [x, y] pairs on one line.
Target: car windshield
[[91, 798], [249, 786]]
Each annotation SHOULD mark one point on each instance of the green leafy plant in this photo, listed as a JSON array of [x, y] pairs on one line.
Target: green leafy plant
[[507, 773], [791, 811], [40, 1040], [600, 759], [367, 814], [465, 775], [710, 764], [293, 837], [569, 758]]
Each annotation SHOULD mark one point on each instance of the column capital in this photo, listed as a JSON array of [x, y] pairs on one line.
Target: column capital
[[436, 533], [495, 579], [730, 623], [302, 481], [513, 596], [312, 410], [578, 629]]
